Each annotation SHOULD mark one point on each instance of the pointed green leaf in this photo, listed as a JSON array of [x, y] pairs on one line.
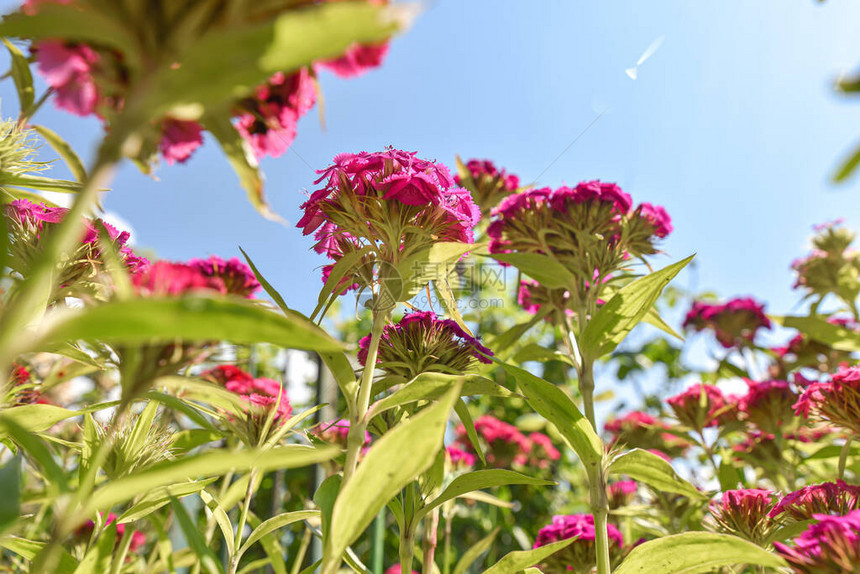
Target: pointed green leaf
[[22, 76], [649, 468], [275, 523], [693, 552], [519, 560], [98, 558], [542, 268], [267, 287], [465, 417], [819, 329], [433, 385], [65, 151], [195, 539], [474, 552], [10, 486], [479, 480]]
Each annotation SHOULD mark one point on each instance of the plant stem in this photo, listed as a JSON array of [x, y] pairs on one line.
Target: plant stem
[[843, 456], [303, 549], [407, 549], [358, 424], [379, 543], [446, 567], [122, 551], [431, 540], [243, 519]]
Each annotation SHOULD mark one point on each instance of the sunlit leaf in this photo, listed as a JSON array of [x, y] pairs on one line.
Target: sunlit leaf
[[514, 562], [649, 468]]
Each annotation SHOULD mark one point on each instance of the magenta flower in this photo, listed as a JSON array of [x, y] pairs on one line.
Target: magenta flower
[[421, 342], [836, 401], [396, 570], [337, 432], [701, 406], [138, 538], [744, 513], [657, 216], [621, 493], [166, 278], [506, 445], [542, 452], [262, 395], [832, 545], [734, 323], [580, 556], [459, 458], [641, 430], [179, 139], [487, 184], [68, 69], [825, 498], [268, 120], [768, 404], [237, 277], [358, 59]]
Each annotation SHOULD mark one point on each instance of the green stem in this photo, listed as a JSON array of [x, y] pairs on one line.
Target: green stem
[[407, 549], [243, 519], [303, 549], [358, 424], [122, 551], [379, 543], [431, 540], [446, 567], [843, 456]]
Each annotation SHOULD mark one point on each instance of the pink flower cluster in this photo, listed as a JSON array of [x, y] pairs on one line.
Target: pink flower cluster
[[507, 446], [641, 430], [481, 169], [734, 323], [397, 570], [487, 184], [767, 404], [830, 545], [836, 401], [702, 406], [265, 394], [89, 80], [744, 513], [580, 556], [421, 342], [138, 538], [825, 498], [337, 432], [621, 493], [23, 391], [166, 278], [458, 457]]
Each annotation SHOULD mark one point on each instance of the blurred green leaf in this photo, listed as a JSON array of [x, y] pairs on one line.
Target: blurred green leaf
[[474, 551], [36, 418], [22, 77], [694, 552], [519, 560], [433, 385], [10, 485], [65, 151], [534, 352], [98, 558], [155, 499], [465, 417], [35, 447], [614, 320], [275, 523], [39, 182], [195, 539], [818, 329], [649, 468], [390, 464], [417, 270], [542, 268], [192, 318], [28, 549], [847, 166]]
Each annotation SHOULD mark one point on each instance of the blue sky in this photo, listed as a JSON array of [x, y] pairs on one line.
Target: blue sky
[[732, 125]]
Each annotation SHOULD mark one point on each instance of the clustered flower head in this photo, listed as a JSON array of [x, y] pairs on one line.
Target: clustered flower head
[[396, 569], [701, 406], [542, 452], [487, 183], [768, 404], [506, 445], [21, 390], [831, 545], [383, 208], [592, 229], [138, 538], [836, 401], [92, 79], [804, 351], [214, 275], [30, 223], [458, 458], [744, 513], [734, 323], [832, 267], [580, 556], [641, 430], [621, 493], [421, 342], [337, 432], [533, 297], [825, 498]]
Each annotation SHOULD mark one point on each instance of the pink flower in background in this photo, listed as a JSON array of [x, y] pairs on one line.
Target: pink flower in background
[[237, 277], [836, 401], [268, 120], [641, 430], [358, 59], [396, 570], [68, 70], [486, 169], [825, 498], [767, 404], [621, 493], [542, 452], [262, 393], [458, 457], [735, 323], [179, 139], [138, 538], [506, 445], [700, 406], [657, 216], [31, 7], [830, 545], [169, 278], [337, 432], [580, 556]]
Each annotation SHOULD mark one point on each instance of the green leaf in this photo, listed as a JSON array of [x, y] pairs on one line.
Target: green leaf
[[465, 417], [433, 385], [275, 523], [221, 519], [37, 418], [325, 497], [649, 468], [267, 287], [429, 265], [10, 486], [98, 558], [344, 375], [692, 552], [226, 64], [653, 318], [820, 330], [333, 288], [155, 499], [191, 318], [195, 539], [40, 183], [555, 406], [534, 352], [611, 324], [187, 440], [65, 151], [22, 77], [519, 560], [474, 552], [241, 158], [28, 549], [847, 166], [542, 268], [36, 448], [505, 340], [479, 480], [390, 464], [213, 463], [142, 427]]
